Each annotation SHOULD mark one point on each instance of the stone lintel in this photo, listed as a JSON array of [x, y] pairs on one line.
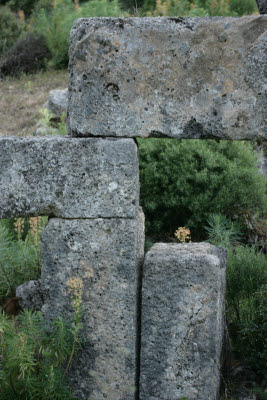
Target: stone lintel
[[182, 321], [172, 77], [68, 177]]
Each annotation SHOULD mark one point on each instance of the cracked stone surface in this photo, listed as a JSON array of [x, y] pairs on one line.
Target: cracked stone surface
[[107, 255], [182, 321], [68, 177], [168, 77]]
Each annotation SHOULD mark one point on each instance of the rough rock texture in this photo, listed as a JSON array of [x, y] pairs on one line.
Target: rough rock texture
[[262, 160], [58, 102], [30, 295], [69, 178], [262, 5], [106, 254], [176, 77], [182, 321]]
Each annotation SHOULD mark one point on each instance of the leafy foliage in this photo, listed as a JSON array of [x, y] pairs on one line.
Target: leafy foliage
[[184, 182], [28, 54], [246, 295], [45, 123], [32, 362], [10, 29], [221, 231], [19, 258], [243, 7], [189, 8], [25, 5], [247, 305]]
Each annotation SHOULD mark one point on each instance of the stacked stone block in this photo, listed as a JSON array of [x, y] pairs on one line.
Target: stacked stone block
[[107, 255], [68, 178], [182, 321], [90, 190], [184, 78]]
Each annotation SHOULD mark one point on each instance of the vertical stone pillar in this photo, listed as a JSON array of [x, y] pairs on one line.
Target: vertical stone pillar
[[182, 322], [106, 253]]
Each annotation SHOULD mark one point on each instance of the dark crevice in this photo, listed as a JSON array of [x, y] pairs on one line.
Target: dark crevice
[[138, 330]]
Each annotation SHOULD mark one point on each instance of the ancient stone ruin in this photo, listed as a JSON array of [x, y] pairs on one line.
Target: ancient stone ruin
[[152, 331]]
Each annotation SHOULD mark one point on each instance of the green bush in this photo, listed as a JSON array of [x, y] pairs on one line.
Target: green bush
[[55, 24], [19, 259], [32, 361], [247, 306], [221, 231], [246, 296], [243, 7], [10, 29], [28, 55], [199, 7], [183, 182], [25, 5]]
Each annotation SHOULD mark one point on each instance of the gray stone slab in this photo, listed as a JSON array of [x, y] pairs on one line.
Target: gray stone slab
[[182, 321], [106, 254], [175, 77], [68, 177]]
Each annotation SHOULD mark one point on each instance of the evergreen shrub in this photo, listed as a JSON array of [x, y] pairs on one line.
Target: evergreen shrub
[[32, 360], [247, 306], [243, 7], [25, 5], [184, 182], [29, 54], [201, 8], [19, 254], [10, 29]]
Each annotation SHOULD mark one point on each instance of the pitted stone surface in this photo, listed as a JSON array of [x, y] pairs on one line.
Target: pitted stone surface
[[106, 254], [175, 77], [30, 295], [182, 321], [262, 5], [69, 178]]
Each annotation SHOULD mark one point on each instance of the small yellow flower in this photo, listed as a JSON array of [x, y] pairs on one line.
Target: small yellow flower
[[183, 234]]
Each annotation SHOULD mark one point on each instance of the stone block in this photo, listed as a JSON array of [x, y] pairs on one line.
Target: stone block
[[173, 77], [30, 295], [68, 178], [182, 321], [107, 255], [58, 102]]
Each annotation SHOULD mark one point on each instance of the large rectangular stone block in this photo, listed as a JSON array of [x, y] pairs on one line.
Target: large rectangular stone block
[[107, 255], [182, 322], [68, 177], [176, 77]]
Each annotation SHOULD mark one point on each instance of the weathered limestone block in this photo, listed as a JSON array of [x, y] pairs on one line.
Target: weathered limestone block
[[30, 295], [69, 178], [182, 321], [175, 77], [106, 254]]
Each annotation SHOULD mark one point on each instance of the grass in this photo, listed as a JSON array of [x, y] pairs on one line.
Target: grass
[[22, 98]]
